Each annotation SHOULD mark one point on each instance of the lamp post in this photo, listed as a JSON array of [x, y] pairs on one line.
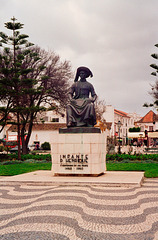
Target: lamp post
[[141, 136], [119, 126]]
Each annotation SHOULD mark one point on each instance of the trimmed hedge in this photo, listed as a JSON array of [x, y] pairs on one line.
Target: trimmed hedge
[[109, 157], [140, 157], [14, 156]]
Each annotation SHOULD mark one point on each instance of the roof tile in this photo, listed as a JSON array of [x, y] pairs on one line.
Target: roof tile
[[121, 113], [42, 126], [150, 117]]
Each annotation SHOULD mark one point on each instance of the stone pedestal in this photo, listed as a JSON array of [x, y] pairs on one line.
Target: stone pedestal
[[78, 153]]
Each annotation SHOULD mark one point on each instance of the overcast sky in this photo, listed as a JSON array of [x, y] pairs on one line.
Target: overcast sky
[[114, 38]]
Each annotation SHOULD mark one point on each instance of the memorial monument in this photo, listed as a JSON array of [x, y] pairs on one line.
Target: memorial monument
[[80, 110], [80, 148]]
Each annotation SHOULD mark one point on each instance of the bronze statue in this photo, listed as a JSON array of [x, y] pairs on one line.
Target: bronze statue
[[80, 110]]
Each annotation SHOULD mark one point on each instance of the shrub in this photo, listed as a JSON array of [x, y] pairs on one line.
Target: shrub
[[10, 162], [3, 157], [1, 148], [46, 157], [45, 146], [14, 156], [136, 157], [134, 129]]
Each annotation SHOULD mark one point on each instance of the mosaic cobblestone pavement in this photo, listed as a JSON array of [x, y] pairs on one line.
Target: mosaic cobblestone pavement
[[29, 212]]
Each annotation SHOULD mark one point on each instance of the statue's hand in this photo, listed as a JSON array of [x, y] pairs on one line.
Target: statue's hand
[[88, 100], [93, 99], [72, 101]]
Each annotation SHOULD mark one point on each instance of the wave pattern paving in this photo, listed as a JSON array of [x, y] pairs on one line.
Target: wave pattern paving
[[29, 212]]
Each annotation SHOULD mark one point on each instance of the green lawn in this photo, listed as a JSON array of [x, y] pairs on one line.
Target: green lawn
[[150, 169], [15, 169]]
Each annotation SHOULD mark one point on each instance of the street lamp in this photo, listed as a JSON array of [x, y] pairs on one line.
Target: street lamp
[[119, 126], [141, 137]]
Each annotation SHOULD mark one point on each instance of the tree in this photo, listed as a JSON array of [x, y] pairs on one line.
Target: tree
[[154, 92], [32, 80], [9, 74], [100, 108], [154, 88]]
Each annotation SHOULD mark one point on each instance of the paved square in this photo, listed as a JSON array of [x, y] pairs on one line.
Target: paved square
[[29, 211]]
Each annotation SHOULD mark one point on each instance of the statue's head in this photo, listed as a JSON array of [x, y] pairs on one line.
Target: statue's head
[[86, 70]]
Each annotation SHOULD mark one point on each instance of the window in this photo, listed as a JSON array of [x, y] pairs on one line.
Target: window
[[45, 119], [150, 128], [55, 119]]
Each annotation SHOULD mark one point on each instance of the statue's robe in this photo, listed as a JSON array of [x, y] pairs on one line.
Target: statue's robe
[[80, 111]]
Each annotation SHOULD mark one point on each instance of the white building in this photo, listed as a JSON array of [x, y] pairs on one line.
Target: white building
[[50, 122], [149, 125], [109, 117], [41, 132], [3, 133], [51, 116], [127, 121], [149, 122]]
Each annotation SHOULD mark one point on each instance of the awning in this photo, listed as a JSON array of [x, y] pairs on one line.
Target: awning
[[153, 134], [136, 135]]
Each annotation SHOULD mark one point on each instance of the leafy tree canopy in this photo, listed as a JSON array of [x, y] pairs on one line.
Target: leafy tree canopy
[[154, 87], [32, 80]]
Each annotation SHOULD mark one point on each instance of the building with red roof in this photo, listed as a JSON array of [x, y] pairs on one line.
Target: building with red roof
[[126, 119], [149, 122]]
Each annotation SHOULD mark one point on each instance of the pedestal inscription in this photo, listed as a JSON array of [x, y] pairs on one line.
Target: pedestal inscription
[[78, 153], [78, 161]]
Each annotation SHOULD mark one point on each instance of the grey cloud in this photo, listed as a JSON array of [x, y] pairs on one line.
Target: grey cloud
[[115, 38]]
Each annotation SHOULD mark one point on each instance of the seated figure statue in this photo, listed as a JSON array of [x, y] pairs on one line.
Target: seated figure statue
[[80, 110]]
